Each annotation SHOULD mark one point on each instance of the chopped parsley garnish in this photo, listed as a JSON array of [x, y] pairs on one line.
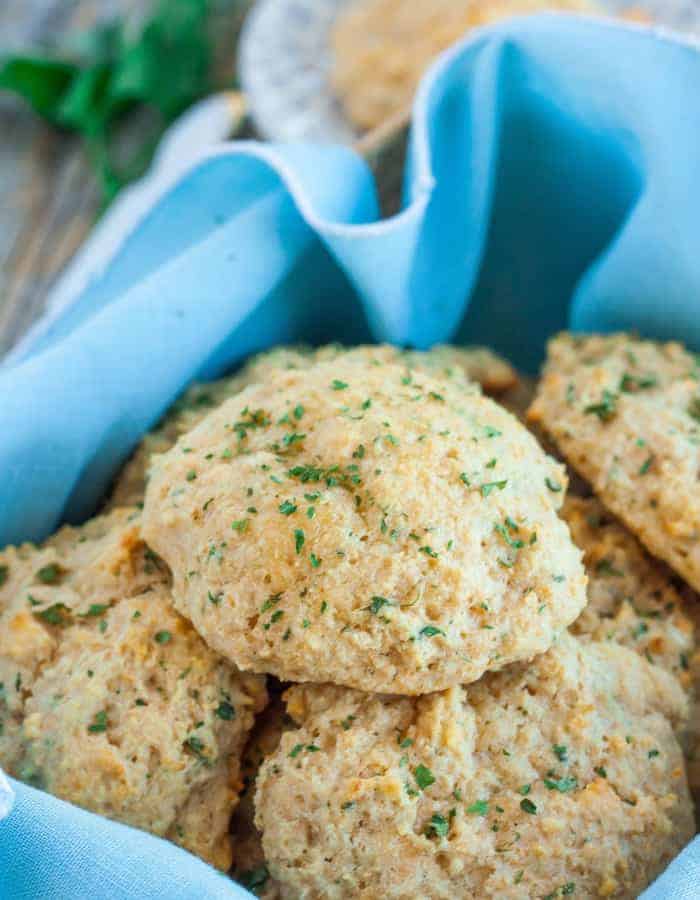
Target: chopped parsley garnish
[[95, 609], [601, 770], [630, 384], [215, 598], [191, 475], [480, 808], [58, 615], [377, 604], [528, 806], [49, 574], [652, 753], [492, 486], [296, 750], [563, 785], [428, 551], [505, 532], [287, 508], [338, 385], [162, 637], [99, 723], [298, 412], [605, 409], [646, 465], [424, 777], [561, 752], [431, 631], [293, 438], [196, 746], [438, 826], [299, 540], [225, 711], [314, 560], [240, 525]]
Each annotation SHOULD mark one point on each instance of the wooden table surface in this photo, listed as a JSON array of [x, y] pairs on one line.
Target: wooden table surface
[[49, 198]]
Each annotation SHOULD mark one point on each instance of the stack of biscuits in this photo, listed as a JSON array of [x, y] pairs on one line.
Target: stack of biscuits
[[344, 629]]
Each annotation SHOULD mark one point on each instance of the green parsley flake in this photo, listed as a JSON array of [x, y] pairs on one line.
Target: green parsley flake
[[605, 409], [431, 631], [338, 385], [225, 711], [528, 806], [490, 486], [480, 808], [99, 723], [438, 826], [162, 637], [423, 776], [299, 540], [49, 574], [563, 785], [287, 508]]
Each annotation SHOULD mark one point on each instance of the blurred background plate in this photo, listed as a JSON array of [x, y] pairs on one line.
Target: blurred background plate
[[286, 62]]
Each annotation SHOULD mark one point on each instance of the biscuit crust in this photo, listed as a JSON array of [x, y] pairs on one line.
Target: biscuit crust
[[561, 777], [626, 414], [368, 526], [111, 700], [479, 364]]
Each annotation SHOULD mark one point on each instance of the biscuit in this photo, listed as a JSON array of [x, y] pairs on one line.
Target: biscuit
[[633, 599], [626, 414], [496, 376], [554, 778], [250, 867], [110, 699], [367, 526]]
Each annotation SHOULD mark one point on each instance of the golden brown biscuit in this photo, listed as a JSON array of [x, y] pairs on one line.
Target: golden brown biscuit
[[250, 867], [626, 414], [494, 374], [382, 47], [365, 526], [554, 778], [110, 699], [633, 599]]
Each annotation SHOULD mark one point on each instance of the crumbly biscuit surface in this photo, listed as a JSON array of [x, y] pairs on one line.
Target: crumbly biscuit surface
[[633, 599], [496, 376], [366, 525], [555, 778], [110, 698], [626, 414]]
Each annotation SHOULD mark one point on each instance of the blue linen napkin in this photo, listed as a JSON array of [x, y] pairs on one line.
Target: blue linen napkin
[[553, 179]]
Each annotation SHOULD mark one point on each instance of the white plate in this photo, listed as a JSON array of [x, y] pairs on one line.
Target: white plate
[[285, 63]]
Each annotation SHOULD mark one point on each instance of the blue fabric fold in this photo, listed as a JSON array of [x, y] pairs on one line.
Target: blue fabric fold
[[552, 179]]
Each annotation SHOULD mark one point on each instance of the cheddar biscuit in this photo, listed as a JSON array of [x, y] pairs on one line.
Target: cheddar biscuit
[[110, 699], [366, 525], [626, 414], [633, 599], [561, 777]]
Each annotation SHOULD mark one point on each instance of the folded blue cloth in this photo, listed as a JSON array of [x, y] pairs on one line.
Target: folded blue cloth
[[553, 179]]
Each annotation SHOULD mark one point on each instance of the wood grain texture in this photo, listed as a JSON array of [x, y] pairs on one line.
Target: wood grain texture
[[49, 198]]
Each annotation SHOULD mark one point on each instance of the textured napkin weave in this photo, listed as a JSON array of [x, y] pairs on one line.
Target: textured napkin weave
[[553, 179]]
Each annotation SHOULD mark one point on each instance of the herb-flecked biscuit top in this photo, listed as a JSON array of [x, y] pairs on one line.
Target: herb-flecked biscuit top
[[367, 526], [496, 376], [554, 778], [626, 414], [109, 698], [633, 599]]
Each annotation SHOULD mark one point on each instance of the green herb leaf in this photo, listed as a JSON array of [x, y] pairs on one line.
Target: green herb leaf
[[424, 777], [99, 723]]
